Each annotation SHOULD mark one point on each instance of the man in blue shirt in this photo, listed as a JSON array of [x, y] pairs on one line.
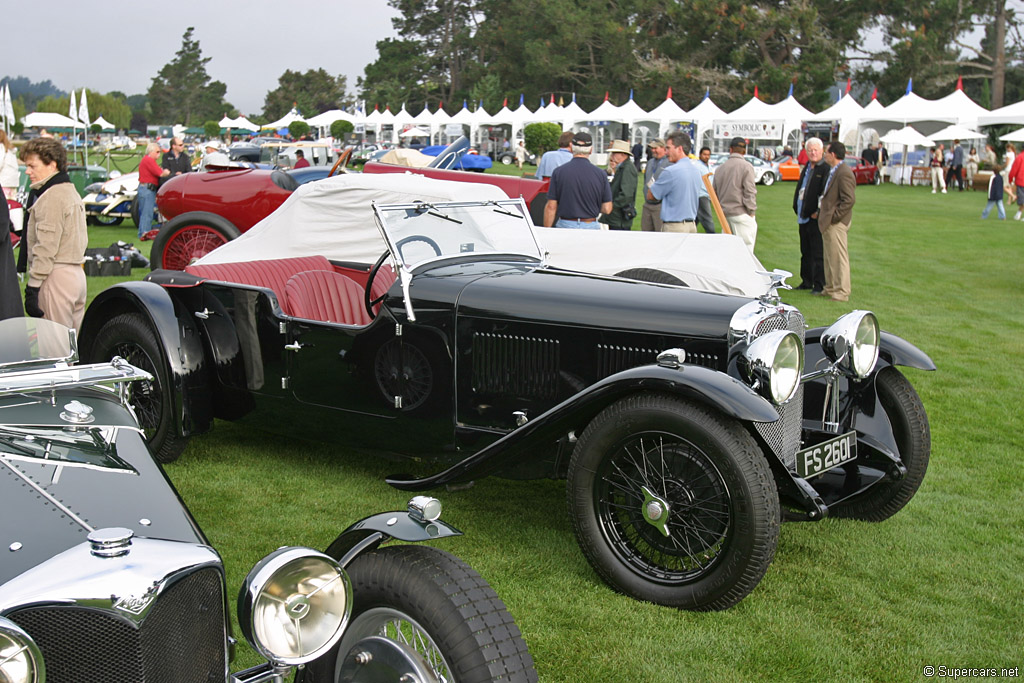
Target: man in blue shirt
[[549, 161], [678, 186], [579, 190]]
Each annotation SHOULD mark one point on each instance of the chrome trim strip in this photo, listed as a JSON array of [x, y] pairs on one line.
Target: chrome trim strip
[[43, 492]]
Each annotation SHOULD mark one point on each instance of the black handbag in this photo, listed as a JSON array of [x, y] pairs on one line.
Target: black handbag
[[629, 212]]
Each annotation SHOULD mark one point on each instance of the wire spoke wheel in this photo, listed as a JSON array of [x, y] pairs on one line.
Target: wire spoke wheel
[[394, 625], [144, 397], [189, 244], [688, 488]]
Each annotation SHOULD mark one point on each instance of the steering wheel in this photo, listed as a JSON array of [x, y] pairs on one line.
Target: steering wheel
[[370, 302], [417, 238], [341, 162]]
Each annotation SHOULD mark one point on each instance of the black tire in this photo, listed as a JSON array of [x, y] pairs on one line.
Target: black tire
[[684, 454], [135, 210], [768, 179], [101, 219], [187, 237], [913, 437], [651, 275], [506, 159], [129, 335], [469, 636]]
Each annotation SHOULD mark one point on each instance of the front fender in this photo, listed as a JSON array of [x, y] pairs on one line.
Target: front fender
[[179, 340], [716, 389], [370, 532], [893, 350]]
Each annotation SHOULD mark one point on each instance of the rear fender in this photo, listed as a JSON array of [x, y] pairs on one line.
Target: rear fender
[[180, 343], [715, 389]]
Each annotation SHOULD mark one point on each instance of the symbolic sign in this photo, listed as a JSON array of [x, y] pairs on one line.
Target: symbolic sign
[[757, 130]]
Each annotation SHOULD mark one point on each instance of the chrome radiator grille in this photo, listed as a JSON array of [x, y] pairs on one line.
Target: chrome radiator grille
[[783, 435], [182, 639]]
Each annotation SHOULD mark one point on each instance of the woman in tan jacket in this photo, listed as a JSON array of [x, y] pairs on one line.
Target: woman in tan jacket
[[56, 236]]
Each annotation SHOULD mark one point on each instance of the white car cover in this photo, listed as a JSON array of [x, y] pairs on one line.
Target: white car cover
[[333, 217]]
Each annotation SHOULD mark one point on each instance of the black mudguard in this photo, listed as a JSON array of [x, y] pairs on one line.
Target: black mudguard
[[695, 383], [179, 339], [370, 532]]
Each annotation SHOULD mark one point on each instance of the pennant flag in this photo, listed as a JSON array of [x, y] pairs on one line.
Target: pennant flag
[[959, 82], [755, 91], [707, 93], [440, 106], [73, 109], [790, 90], [605, 95], [83, 110], [520, 99], [668, 96], [376, 106], [464, 104], [552, 98], [847, 91], [630, 93], [505, 103], [541, 102], [910, 86], [874, 93], [574, 97], [561, 101], [8, 105]]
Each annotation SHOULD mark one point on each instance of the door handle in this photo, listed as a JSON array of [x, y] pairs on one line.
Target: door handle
[[294, 346]]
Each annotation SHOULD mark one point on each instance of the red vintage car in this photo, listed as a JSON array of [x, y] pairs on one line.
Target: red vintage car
[[866, 173], [206, 210]]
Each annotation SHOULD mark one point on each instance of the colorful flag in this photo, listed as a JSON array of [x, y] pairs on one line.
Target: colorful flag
[[790, 90], [959, 82], [83, 110], [755, 91], [874, 93], [910, 86], [847, 91], [669, 95]]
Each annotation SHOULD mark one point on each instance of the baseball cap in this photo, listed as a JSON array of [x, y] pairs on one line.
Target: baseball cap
[[582, 139], [738, 142]]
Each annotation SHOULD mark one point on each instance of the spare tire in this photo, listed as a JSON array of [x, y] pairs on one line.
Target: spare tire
[[651, 275], [190, 236]]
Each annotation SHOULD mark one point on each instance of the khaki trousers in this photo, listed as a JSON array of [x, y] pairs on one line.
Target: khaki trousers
[[681, 226], [745, 226], [62, 296], [650, 218], [837, 261]]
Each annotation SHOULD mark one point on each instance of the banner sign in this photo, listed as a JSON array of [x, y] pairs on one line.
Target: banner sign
[[756, 130], [687, 127], [453, 130]]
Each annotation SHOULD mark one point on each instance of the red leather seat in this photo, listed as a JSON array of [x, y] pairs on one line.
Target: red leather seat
[[273, 274], [328, 296], [382, 283]]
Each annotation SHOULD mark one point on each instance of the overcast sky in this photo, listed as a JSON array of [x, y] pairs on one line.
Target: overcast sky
[[123, 46]]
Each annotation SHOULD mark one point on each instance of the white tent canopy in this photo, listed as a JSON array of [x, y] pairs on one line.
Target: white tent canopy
[[1015, 136], [956, 133], [1012, 114], [415, 132], [47, 119], [330, 116], [284, 121], [667, 113], [847, 111], [103, 123], [958, 104]]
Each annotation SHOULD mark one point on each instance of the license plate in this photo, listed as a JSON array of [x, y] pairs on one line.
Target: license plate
[[826, 455]]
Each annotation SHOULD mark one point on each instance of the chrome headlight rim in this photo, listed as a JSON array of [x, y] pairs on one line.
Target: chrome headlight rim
[[774, 363], [256, 587], [852, 343], [14, 638]]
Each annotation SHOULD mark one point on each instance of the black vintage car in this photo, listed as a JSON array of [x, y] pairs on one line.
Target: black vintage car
[[688, 423], [106, 576]]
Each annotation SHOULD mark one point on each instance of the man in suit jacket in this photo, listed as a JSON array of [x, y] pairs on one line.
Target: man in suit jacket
[[805, 205], [834, 218]]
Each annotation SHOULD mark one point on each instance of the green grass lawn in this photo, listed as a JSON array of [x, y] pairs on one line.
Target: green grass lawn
[[939, 584]]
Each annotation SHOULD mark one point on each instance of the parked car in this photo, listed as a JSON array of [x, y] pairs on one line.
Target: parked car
[[686, 422], [865, 173], [470, 161], [765, 173], [110, 202], [108, 577], [205, 210], [789, 169]]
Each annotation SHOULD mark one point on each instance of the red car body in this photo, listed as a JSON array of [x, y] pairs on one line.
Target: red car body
[[865, 173]]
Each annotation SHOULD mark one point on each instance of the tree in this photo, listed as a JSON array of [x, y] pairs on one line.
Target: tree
[[298, 129], [341, 128], [541, 137], [312, 92], [398, 75], [211, 129], [182, 91]]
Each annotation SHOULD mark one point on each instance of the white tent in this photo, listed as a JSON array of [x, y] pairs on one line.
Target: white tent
[[847, 112], [415, 132], [103, 123], [606, 111], [911, 108], [327, 118], [667, 113], [47, 119], [1012, 114], [572, 114], [703, 116], [957, 133], [1015, 136], [632, 112], [403, 118], [966, 110], [282, 122], [242, 122], [906, 137]]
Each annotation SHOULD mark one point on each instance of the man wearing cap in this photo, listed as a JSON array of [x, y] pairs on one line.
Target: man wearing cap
[[650, 218], [300, 159], [734, 185], [579, 191], [549, 161], [213, 156], [623, 188], [678, 186]]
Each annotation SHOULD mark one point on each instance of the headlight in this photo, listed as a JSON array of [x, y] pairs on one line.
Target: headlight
[[20, 659], [425, 508], [852, 343], [294, 605], [773, 364]]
